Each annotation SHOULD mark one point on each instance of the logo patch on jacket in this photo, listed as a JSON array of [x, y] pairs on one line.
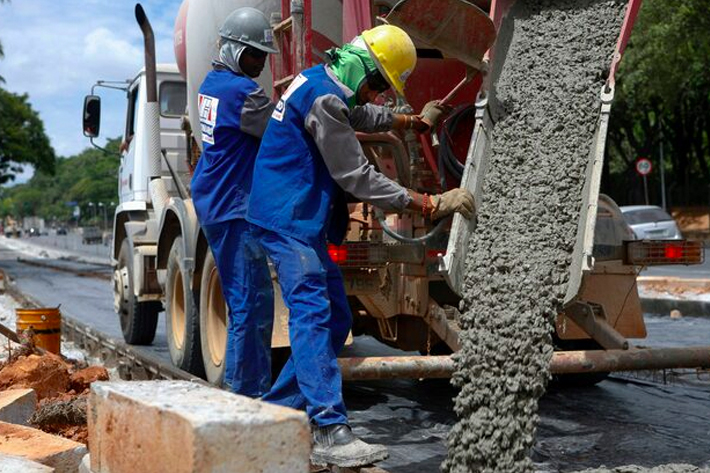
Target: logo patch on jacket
[[278, 113], [207, 107]]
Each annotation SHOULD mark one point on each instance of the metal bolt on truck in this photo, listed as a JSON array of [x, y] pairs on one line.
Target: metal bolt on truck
[[403, 274]]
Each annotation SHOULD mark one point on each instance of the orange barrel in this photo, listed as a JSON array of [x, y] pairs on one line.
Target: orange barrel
[[46, 323]]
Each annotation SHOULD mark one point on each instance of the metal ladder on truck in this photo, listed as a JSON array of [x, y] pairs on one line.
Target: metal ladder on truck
[[293, 37]]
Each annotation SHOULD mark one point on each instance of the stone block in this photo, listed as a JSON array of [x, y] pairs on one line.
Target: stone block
[[15, 464], [17, 405], [56, 452], [184, 427]]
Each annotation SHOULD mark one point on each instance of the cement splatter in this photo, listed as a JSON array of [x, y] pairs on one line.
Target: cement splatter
[[555, 54]]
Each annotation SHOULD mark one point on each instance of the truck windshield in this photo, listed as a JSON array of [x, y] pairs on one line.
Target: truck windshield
[[173, 99]]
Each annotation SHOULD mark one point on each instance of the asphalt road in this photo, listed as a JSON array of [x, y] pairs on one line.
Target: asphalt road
[[71, 242], [620, 421]]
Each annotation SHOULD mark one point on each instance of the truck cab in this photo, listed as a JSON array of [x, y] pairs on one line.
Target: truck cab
[[134, 168]]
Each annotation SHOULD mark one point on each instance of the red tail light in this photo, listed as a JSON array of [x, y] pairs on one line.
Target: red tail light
[[674, 252], [363, 254], [339, 254], [648, 253]]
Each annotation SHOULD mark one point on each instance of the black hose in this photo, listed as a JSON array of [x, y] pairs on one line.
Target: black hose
[[379, 214], [448, 162]]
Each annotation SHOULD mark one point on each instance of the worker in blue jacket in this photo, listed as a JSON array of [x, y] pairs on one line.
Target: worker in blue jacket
[[308, 159], [234, 111]]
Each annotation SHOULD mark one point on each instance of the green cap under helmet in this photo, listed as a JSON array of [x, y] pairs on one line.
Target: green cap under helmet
[[351, 63]]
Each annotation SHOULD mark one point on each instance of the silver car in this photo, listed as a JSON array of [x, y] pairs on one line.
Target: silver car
[[649, 222]]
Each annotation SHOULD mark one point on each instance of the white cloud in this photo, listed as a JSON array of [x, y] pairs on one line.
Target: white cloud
[[55, 51], [108, 54]]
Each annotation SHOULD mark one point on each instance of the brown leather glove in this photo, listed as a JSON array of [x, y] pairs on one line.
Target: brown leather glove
[[455, 200]]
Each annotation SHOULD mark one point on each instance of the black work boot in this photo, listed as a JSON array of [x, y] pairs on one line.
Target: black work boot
[[337, 445]]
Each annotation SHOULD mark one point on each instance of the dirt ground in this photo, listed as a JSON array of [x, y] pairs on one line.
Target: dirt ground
[[61, 385], [694, 222]]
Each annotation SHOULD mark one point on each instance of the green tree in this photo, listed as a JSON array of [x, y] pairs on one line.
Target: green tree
[[88, 177], [22, 138], [663, 93]]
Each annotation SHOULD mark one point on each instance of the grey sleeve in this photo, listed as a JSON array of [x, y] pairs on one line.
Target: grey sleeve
[[255, 113], [329, 125], [371, 118]]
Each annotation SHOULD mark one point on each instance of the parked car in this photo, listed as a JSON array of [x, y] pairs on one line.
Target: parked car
[[61, 231], [34, 232], [650, 222]]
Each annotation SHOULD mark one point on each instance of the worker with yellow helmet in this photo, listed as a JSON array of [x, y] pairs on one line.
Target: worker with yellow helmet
[[308, 160]]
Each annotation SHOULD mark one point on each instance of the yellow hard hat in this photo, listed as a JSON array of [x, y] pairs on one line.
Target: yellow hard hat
[[394, 53]]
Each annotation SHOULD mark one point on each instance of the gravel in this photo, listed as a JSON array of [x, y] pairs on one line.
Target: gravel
[[518, 267]]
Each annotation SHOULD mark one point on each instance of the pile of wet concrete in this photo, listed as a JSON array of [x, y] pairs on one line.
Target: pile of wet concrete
[[554, 56]]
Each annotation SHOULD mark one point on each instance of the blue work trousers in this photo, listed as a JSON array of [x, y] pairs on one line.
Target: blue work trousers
[[247, 288], [319, 323]]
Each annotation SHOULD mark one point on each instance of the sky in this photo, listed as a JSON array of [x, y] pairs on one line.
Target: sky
[[55, 50]]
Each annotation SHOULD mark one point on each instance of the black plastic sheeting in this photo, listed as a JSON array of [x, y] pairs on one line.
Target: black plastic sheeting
[[627, 419]]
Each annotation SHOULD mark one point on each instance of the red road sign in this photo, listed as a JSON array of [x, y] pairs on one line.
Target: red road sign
[[643, 166]]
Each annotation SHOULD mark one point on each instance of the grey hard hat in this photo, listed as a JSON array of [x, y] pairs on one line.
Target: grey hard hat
[[249, 27]]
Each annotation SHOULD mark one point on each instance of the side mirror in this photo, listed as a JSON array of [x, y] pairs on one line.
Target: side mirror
[[92, 116]]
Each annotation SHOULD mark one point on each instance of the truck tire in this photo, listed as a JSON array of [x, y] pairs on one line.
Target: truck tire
[[182, 323], [213, 322], [138, 319]]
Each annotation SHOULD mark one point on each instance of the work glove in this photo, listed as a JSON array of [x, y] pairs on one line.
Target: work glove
[[455, 200], [433, 112]]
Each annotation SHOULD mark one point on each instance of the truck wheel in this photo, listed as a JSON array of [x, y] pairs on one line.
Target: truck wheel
[[138, 319], [213, 322], [181, 318]]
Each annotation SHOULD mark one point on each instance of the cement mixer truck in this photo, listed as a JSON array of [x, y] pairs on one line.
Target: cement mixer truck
[[403, 274]]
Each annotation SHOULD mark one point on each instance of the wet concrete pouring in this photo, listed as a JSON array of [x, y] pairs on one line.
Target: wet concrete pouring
[[546, 107]]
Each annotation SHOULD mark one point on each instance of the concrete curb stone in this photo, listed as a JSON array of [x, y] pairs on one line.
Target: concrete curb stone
[[62, 454], [17, 405], [179, 426]]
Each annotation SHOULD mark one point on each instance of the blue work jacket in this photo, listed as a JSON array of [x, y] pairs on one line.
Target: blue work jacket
[[293, 191], [223, 177]]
